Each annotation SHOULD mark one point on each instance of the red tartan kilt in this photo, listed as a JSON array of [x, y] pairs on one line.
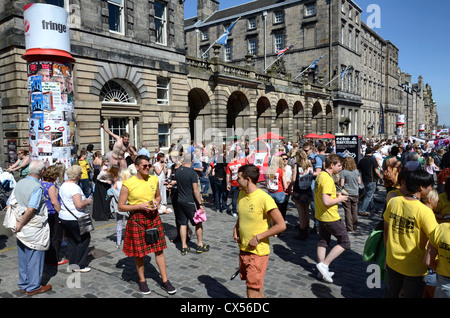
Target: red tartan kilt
[[134, 242]]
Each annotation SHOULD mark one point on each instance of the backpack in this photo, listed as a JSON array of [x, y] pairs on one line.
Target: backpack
[[390, 173]]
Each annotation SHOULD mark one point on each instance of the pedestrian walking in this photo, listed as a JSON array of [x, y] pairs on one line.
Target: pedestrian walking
[[350, 179], [368, 167], [189, 201], [140, 196], [302, 178], [231, 177], [257, 211], [29, 223], [326, 213]]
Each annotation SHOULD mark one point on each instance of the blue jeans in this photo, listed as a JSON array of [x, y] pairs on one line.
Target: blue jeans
[[278, 197], [204, 184], [84, 185], [367, 201], [31, 266], [221, 194], [442, 287], [234, 196]]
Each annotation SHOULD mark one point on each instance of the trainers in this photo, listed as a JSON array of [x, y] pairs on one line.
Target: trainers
[[167, 286], [143, 288], [201, 249], [184, 250], [323, 269]]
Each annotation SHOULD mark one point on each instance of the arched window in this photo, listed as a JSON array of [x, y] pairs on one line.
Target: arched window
[[117, 91]]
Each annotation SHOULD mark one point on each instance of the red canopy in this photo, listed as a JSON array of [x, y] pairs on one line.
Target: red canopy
[[270, 136], [313, 136], [328, 136]]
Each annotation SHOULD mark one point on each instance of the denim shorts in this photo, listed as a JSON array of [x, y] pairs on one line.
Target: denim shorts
[[279, 197]]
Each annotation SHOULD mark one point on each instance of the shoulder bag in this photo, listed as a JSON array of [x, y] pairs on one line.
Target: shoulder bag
[[84, 221]]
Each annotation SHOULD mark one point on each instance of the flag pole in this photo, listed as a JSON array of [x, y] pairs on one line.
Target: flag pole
[[309, 66], [225, 34], [278, 57], [343, 73]]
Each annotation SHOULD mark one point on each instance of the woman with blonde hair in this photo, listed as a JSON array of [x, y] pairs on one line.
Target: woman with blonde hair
[[350, 179], [101, 210], [276, 180], [302, 177]]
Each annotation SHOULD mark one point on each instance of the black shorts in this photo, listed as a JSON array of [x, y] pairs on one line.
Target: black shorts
[[186, 212]]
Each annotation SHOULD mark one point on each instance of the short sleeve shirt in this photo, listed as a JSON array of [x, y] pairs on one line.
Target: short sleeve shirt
[[325, 185]]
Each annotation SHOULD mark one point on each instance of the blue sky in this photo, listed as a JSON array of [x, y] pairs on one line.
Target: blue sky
[[421, 31]]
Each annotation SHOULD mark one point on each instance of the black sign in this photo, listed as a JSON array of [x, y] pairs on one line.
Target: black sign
[[349, 146]]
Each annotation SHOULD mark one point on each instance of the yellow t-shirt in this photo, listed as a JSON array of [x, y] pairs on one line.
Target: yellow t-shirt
[[84, 168], [254, 219], [443, 206], [141, 191], [410, 224], [325, 185], [441, 239]]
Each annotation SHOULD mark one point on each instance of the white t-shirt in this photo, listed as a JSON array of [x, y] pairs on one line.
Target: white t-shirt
[[66, 193]]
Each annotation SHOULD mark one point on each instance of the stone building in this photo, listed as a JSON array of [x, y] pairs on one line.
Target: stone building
[[373, 84]]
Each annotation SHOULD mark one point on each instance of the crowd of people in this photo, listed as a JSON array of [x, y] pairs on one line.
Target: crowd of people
[[309, 173]]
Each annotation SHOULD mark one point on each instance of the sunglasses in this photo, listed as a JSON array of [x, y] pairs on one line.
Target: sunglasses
[[146, 166]]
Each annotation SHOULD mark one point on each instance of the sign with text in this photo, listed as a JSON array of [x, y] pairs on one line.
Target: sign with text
[[349, 146]]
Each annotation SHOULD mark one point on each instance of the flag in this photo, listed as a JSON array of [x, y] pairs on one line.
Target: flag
[[381, 128], [345, 71], [282, 51], [224, 37], [313, 65]]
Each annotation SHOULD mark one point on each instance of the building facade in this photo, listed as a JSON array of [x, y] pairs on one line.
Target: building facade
[[373, 85]]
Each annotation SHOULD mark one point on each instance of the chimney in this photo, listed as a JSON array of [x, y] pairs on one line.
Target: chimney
[[205, 8]]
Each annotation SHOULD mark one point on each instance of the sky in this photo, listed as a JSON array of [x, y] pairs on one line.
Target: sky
[[421, 31]]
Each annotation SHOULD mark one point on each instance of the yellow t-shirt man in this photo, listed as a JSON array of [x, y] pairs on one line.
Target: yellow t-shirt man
[[325, 185], [441, 237], [254, 219], [410, 224], [140, 191]]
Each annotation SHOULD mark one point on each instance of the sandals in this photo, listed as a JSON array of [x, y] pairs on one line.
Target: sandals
[[201, 249]]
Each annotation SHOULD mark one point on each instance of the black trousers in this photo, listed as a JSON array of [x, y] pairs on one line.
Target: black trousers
[[77, 245]]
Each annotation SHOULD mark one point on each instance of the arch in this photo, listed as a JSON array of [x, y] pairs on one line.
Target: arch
[[316, 119], [238, 111], [117, 91], [298, 113], [199, 109], [263, 117], [329, 118], [282, 117]]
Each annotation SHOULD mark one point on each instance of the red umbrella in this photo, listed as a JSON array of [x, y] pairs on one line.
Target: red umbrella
[[313, 135], [270, 136], [328, 136]]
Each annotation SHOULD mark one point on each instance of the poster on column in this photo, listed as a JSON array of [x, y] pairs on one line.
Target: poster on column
[[349, 146], [52, 126]]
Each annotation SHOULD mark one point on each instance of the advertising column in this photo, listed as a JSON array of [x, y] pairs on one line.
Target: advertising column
[[50, 84]]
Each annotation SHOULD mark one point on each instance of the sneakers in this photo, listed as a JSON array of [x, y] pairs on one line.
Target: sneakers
[[143, 288], [323, 269], [201, 249], [184, 251], [167, 286]]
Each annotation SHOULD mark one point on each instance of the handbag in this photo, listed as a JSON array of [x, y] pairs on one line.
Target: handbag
[[150, 235], [199, 216], [84, 222]]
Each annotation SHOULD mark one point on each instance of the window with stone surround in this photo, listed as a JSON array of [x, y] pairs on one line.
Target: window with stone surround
[[161, 22], [163, 135], [252, 23], [162, 91], [310, 10], [278, 41], [228, 52], [278, 17], [253, 46], [116, 16]]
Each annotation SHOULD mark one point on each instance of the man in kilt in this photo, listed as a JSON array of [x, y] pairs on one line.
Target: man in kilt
[[140, 197]]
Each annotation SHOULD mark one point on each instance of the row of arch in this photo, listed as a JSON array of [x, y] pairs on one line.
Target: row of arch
[[260, 112]]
